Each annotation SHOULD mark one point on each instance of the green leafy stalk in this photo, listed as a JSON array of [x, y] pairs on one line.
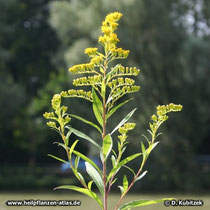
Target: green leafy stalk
[[85, 191], [157, 121], [134, 204], [107, 86]]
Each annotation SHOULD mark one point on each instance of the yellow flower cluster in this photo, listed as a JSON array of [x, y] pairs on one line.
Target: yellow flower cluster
[[77, 93], [88, 67], [126, 71], [52, 124], [119, 92], [109, 40], [109, 25], [124, 129], [84, 81], [130, 89], [82, 68], [120, 53], [96, 60], [121, 82], [119, 86], [49, 115], [161, 115], [129, 71], [56, 101], [163, 110], [91, 51], [60, 111]]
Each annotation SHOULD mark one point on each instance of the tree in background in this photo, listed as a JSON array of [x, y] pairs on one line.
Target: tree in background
[[27, 44]]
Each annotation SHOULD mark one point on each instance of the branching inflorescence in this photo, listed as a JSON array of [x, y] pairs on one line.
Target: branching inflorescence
[[108, 84]]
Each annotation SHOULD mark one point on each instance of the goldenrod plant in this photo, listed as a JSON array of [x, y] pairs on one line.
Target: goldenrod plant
[[107, 86]]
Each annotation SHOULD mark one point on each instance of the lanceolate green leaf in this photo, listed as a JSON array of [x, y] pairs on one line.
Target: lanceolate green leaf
[[120, 164], [146, 138], [151, 147], [121, 190], [86, 121], [143, 150], [107, 146], [72, 147], [141, 176], [76, 162], [67, 138], [95, 176], [114, 181], [103, 89], [90, 184], [76, 173], [97, 107], [82, 135], [79, 176], [113, 161], [97, 101], [109, 99], [125, 183], [82, 190], [97, 115], [78, 154], [113, 70], [138, 203], [87, 160], [113, 110], [130, 169], [124, 120], [59, 159]]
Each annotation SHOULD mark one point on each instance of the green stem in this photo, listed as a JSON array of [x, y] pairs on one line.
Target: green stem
[[103, 136], [117, 161], [140, 169], [131, 184]]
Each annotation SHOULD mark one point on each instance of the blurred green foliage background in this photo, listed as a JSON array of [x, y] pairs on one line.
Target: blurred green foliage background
[[169, 41]]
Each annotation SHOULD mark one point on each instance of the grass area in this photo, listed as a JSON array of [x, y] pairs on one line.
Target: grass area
[[87, 203]]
